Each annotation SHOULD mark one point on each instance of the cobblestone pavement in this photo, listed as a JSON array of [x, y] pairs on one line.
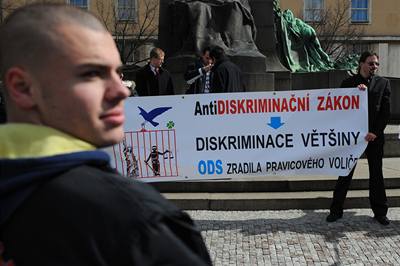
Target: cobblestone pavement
[[299, 237]]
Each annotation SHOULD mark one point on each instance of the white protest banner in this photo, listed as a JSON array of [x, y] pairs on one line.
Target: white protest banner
[[208, 136]]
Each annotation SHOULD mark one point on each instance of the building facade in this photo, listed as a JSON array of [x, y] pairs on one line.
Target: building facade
[[133, 23], [377, 23]]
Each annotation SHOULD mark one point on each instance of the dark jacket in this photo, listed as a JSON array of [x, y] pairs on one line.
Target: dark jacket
[[192, 72], [378, 100], [72, 209], [227, 77], [3, 115], [148, 84]]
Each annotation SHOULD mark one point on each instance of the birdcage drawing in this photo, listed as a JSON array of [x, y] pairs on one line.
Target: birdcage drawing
[[147, 153]]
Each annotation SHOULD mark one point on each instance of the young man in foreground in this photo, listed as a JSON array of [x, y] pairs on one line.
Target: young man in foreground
[[60, 203]]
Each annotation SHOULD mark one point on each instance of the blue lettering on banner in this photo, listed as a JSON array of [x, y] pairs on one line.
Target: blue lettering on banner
[[210, 167]]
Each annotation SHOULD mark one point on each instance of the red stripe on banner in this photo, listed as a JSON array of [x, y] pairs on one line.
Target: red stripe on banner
[[145, 153], [115, 158], [122, 161], [138, 149], [151, 148], [169, 147], [134, 165], [176, 155], [125, 153], [163, 150]]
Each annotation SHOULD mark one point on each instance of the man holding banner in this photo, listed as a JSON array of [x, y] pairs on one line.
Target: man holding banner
[[378, 117]]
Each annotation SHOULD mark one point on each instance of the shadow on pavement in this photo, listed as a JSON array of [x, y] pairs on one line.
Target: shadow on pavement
[[306, 227]]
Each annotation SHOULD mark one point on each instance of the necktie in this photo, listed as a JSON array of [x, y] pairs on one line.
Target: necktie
[[207, 83]]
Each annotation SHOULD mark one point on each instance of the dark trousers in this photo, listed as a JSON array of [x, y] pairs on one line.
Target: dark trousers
[[377, 194]]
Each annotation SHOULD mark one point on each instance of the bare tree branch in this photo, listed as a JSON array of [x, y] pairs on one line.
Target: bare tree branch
[[130, 35], [6, 7], [335, 30]]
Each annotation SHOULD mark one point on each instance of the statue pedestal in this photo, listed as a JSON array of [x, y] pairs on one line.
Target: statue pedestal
[[254, 75], [266, 42], [261, 69]]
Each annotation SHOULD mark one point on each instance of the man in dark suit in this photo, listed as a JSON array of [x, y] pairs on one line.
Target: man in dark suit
[[152, 79], [198, 75], [227, 76], [378, 117], [3, 118]]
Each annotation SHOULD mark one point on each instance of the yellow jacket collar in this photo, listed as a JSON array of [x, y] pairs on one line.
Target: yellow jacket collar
[[28, 140]]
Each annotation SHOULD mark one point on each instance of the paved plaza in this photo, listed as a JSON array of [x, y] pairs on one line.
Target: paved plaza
[[299, 237]]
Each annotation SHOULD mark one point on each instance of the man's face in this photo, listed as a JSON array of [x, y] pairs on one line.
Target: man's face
[[206, 58], [370, 66], [157, 62], [79, 90]]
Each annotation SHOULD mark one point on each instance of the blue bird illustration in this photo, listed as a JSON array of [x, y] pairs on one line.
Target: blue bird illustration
[[149, 116]]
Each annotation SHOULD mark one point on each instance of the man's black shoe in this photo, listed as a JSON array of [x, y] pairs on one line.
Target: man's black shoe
[[332, 217], [383, 220]]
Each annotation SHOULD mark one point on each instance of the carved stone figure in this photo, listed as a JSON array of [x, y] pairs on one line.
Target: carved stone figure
[[226, 23]]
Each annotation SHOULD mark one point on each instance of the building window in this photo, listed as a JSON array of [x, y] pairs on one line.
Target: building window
[[359, 11], [313, 10], [126, 10], [79, 3]]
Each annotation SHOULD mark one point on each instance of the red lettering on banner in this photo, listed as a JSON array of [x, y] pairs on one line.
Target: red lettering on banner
[[284, 107], [221, 107], [241, 107], [321, 100], [262, 104], [249, 106], [334, 103]]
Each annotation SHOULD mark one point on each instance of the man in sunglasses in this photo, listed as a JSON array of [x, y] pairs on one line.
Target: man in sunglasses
[[378, 117]]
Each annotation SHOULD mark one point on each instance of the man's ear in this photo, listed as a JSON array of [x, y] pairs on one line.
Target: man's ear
[[18, 83]]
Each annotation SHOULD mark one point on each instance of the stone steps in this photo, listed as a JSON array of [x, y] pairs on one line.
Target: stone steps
[[263, 184], [392, 144], [279, 192], [287, 192], [244, 201]]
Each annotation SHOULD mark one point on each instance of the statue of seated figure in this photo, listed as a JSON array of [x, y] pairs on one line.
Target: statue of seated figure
[[226, 23]]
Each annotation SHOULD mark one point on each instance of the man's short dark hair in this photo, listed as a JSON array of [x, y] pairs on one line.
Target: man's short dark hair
[[206, 49], [217, 53], [28, 34], [156, 53], [363, 58], [365, 55]]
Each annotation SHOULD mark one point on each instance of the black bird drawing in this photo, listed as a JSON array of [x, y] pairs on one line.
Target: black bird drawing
[[150, 116]]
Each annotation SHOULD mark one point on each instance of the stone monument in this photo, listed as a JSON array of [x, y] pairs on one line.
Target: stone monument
[[186, 26]]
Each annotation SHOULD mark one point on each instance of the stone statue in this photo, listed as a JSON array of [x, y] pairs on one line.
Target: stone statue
[[187, 26], [226, 23]]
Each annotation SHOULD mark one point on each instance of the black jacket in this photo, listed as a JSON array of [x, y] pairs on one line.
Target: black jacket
[[227, 77], [148, 84], [3, 115], [378, 100], [192, 72], [89, 215]]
